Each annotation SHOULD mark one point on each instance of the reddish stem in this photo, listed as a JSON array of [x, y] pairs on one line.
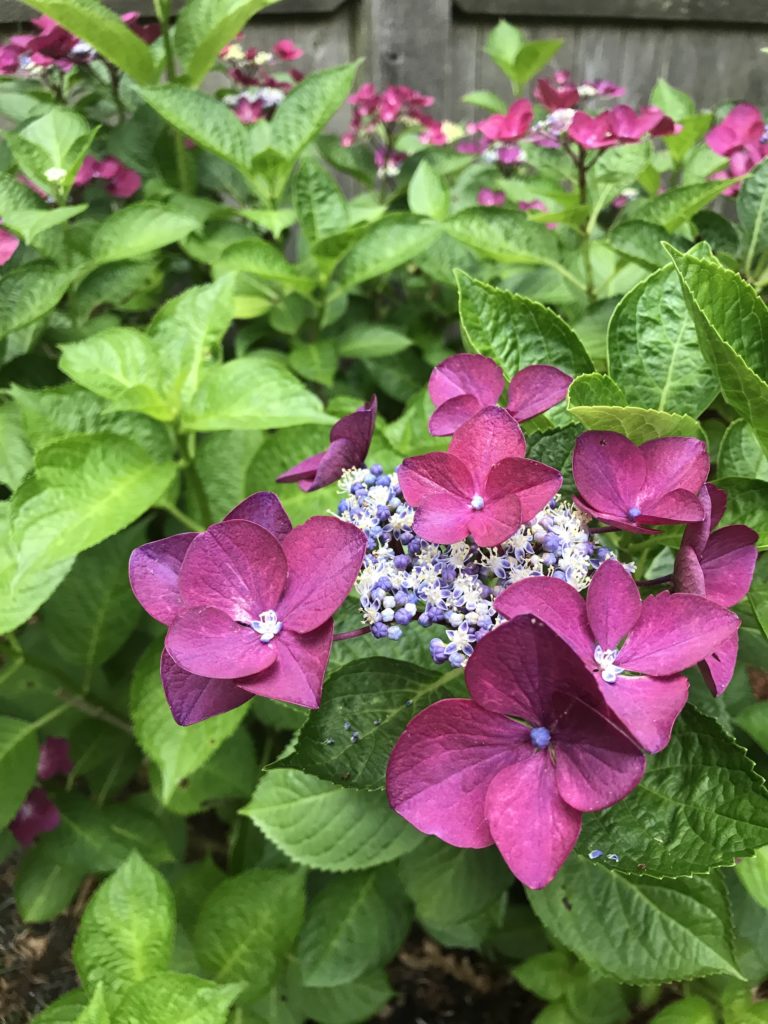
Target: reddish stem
[[351, 634]]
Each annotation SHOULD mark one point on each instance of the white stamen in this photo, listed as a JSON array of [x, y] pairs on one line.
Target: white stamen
[[605, 660], [267, 626]]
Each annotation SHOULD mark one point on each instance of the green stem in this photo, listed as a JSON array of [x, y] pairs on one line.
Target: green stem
[[72, 700], [162, 13], [182, 517]]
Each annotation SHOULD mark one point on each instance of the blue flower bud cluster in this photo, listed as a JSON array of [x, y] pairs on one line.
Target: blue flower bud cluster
[[405, 579]]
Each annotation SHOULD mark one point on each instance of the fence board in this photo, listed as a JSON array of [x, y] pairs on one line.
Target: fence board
[[743, 12]]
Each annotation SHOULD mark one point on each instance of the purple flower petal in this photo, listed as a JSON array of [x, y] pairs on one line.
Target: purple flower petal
[[608, 471], [449, 416], [36, 815], [613, 604], [490, 436], [264, 509], [597, 764], [497, 520], [350, 439], [718, 667], [675, 631], [535, 389], [437, 473], [689, 575], [531, 824], [442, 766], [673, 464], [646, 707], [194, 698], [297, 675], [236, 567], [531, 482], [207, 642], [153, 571], [518, 667], [557, 605], [728, 564], [466, 374], [54, 758], [443, 518], [673, 507], [323, 556]]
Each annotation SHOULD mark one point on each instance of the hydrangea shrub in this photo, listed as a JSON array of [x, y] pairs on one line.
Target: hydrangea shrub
[[379, 562]]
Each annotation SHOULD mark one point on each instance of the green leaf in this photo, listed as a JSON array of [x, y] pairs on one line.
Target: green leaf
[[753, 874], [677, 206], [222, 461], [177, 750], [51, 148], [641, 242], [620, 168], [98, 839], [752, 207], [67, 1009], [168, 998], [94, 612], [689, 1010], [354, 1003], [699, 805], [503, 44], [251, 393], [138, 229], [600, 404], [248, 925], [747, 503], [427, 196], [15, 454], [96, 1011], [516, 331], [327, 827], [18, 765], [23, 591], [126, 933], [545, 974], [486, 99], [28, 224], [84, 490], [504, 236], [205, 26], [43, 889], [531, 58], [355, 923], [366, 706], [653, 349], [206, 120], [674, 102], [639, 930], [385, 246], [307, 108], [230, 774], [372, 341], [732, 324], [320, 204], [28, 293], [103, 29], [458, 894], [740, 454], [257, 256]]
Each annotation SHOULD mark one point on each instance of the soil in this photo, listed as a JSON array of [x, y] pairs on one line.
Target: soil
[[439, 986], [35, 962]]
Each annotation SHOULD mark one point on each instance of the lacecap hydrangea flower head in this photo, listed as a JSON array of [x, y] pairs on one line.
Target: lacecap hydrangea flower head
[[574, 669]]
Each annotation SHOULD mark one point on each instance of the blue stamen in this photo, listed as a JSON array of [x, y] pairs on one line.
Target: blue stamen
[[541, 737], [633, 512]]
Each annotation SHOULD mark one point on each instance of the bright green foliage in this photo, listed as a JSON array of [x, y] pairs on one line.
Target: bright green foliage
[[324, 826], [127, 929], [247, 926], [600, 404]]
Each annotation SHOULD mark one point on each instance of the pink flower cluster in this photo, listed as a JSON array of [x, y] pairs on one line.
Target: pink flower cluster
[[742, 136], [379, 117], [566, 694], [262, 84], [52, 46]]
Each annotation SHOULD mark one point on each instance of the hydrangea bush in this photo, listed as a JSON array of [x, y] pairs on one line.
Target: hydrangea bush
[[465, 429]]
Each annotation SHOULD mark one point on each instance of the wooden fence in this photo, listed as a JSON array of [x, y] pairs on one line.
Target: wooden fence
[[710, 48]]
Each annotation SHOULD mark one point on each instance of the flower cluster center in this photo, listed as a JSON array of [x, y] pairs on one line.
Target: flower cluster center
[[267, 626], [606, 662]]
